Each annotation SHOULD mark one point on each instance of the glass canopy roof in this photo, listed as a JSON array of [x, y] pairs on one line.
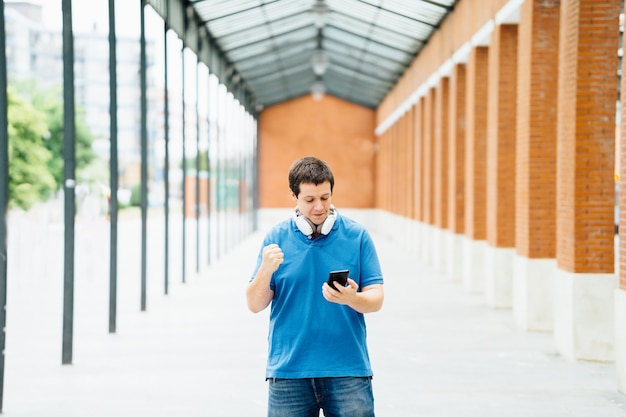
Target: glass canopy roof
[[366, 45]]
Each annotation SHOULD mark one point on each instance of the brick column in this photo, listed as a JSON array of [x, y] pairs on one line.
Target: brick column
[[428, 176], [409, 152], [535, 188], [419, 194], [402, 186], [409, 155], [395, 192], [440, 207], [475, 170], [391, 184], [456, 167], [501, 108], [585, 282], [418, 116], [378, 201], [382, 172], [620, 293]]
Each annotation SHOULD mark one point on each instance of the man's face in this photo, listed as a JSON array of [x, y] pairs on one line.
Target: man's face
[[314, 201]]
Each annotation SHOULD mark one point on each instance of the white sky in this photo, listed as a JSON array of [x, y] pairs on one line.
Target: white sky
[[93, 15], [88, 15]]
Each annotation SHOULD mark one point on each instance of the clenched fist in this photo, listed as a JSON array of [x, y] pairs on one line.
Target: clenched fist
[[272, 257]]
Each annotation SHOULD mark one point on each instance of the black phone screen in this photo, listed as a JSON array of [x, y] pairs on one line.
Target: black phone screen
[[340, 276]]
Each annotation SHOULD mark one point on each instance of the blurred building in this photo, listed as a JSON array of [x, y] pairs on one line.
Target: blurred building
[[35, 51]]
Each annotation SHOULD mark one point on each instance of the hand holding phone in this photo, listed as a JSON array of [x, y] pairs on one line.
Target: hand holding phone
[[340, 277]]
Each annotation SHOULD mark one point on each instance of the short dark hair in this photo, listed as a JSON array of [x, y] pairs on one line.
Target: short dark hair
[[309, 170]]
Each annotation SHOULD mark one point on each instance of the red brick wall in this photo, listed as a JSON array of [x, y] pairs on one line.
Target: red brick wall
[[418, 192], [428, 156], [465, 20], [535, 215], [403, 193], [585, 135], [339, 132], [387, 163], [575, 203], [501, 107], [456, 154], [409, 156], [476, 144], [442, 125], [395, 167], [406, 170], [381, 172], [622, 184]]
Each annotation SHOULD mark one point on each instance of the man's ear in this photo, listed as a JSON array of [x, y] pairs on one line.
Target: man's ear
[[293, 196]]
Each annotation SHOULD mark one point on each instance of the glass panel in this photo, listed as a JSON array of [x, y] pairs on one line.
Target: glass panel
[[370, 41]]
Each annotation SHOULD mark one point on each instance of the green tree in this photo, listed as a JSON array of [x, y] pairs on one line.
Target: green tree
[[50, 102], [36, 143], [29, 178]]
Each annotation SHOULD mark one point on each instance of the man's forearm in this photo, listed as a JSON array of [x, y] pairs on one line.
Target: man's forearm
[[258, 294], [369, 300]]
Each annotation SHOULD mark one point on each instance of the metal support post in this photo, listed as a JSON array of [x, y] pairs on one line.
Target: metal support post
[[69, 156]]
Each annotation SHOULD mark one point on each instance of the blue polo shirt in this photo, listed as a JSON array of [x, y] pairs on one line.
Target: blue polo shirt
[[310, 337]]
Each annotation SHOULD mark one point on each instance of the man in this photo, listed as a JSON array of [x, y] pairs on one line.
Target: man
[[318, 357]]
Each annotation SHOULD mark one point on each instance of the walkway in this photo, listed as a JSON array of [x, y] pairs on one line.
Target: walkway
[[437, 350]]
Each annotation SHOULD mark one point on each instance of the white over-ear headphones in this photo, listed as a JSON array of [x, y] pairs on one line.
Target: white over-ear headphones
[[307, 227]]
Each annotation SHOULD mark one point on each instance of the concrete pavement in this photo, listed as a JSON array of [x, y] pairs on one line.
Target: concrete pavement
[[436, 349]]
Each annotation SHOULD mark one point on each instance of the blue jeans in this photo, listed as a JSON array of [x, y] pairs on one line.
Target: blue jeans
[[337, 397]]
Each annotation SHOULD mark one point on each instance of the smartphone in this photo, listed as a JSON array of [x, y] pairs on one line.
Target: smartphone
[[340, 277]]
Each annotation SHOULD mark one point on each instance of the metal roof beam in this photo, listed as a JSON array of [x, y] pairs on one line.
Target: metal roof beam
[[370, 39], [337, 41], [365, 22], [399, 14], [241, 11], [183, 19]]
